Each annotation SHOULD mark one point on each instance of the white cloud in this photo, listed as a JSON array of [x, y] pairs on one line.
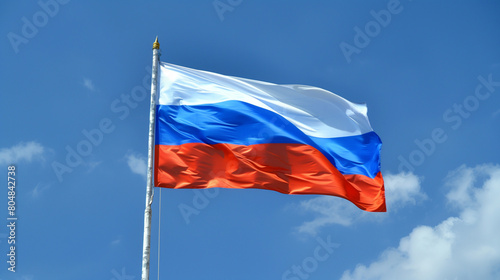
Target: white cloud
[[327, 210], [91, 165], [137, 164], [88, 84], [463, 247], [461, 182], [116, 241], [38, 189], [21, 152], [401, 189]]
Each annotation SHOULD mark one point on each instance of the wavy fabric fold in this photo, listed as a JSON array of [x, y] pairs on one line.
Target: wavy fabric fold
[[220, 131]]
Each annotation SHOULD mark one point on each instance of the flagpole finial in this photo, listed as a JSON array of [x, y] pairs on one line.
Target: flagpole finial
[[156, 45]]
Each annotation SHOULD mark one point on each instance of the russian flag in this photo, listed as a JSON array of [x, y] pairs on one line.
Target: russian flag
[[220, 131]]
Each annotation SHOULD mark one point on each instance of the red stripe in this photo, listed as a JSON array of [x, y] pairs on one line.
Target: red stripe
[[286, 168]]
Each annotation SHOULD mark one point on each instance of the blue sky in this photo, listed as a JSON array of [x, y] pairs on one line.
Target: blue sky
[[429, 72]]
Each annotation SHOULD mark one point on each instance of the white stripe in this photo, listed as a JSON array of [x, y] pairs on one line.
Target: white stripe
[[315, 111]]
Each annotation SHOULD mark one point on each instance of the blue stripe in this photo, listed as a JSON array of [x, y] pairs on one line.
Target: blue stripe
[[239, 123]]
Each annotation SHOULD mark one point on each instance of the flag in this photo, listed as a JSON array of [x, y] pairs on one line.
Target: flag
[[221, 131]]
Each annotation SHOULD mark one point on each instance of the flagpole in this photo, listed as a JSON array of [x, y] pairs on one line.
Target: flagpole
[[149, 184]]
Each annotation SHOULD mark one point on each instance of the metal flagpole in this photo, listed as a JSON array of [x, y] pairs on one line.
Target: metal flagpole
[[149, 185]]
